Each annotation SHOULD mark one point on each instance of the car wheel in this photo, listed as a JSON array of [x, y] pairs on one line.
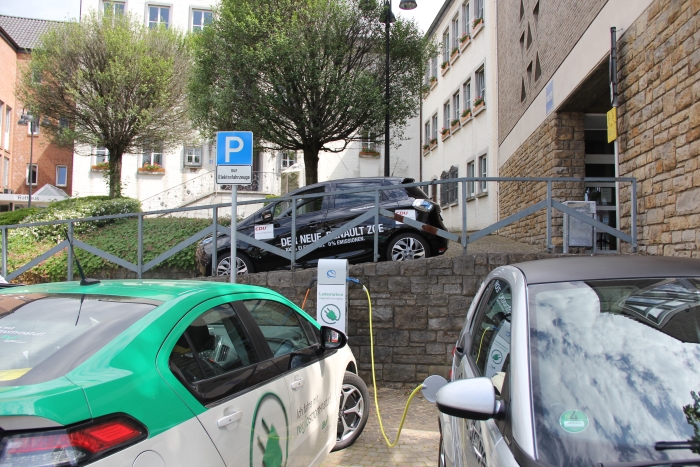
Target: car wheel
[[408, 246], [441, 452], [243, 265], [354, 410]]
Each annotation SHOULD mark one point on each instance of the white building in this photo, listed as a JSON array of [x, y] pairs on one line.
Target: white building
[[460, 112]]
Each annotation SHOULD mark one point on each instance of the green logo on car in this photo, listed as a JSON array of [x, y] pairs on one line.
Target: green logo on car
[[269, 440]]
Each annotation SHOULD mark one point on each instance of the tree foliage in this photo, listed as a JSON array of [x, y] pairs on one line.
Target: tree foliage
[[304, 74], [110, 82]]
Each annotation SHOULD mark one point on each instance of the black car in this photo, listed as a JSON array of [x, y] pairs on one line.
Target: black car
[[316, 217]]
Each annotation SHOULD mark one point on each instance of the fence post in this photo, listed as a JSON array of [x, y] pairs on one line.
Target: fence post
[[214, 248], [464, 218], [139, 273], [4, 252], [376, 225], [70, 252], [633, 216], [549, 216], [294, 232]]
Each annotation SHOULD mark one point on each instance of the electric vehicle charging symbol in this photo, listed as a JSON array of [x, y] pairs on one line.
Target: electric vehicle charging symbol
[[270, 434], [330, 314], [331, 274]]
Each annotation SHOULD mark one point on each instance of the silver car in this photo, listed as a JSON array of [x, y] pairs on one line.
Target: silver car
[[588, 361]]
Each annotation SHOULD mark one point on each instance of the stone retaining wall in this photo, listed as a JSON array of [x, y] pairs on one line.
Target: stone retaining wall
[[418, 310]]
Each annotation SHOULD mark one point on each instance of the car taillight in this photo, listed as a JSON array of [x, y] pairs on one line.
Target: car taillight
[[72, 446]]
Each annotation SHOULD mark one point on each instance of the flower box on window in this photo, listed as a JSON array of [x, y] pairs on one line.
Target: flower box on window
[[367, 152], [464, 41], [444, 67], [433, 143], [153, 169], [426, 149], [479, 105], [433, 82], [465, 116], [445, 132], [478, 26], [454, 125], [454, 55], [100, 167]]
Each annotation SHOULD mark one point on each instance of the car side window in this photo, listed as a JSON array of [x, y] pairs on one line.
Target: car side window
[[490, 349], [279, 325], [307, 206], [215, 343], [355, 199]]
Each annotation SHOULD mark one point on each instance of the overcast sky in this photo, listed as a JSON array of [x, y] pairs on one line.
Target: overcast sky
[[67, 9]]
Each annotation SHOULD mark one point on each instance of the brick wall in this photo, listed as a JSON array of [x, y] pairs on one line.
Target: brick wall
[[659, 125], [418, 309], [555, 149], [8, 71], [555, 31]]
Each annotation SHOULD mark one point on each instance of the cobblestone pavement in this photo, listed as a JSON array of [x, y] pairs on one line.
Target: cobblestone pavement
[[417, 447], [493, 244]]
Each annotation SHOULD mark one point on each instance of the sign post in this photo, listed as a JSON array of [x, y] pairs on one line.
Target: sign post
[[234, 166]]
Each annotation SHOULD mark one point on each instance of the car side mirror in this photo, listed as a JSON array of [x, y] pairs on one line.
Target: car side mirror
[[332, 339], [473, 398], [266, 215]]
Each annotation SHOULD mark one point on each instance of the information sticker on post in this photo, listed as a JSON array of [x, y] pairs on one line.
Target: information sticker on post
[[234, 166]]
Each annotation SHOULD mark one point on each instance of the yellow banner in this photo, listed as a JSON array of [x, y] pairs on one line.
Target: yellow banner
[[9, 375], [612, 124]]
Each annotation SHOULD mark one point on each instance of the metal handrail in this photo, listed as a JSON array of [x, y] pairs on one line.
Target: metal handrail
[[549, 203]]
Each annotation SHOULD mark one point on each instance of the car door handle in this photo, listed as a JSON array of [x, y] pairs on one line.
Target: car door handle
[[229, 419], [298, 383], [312, 225]]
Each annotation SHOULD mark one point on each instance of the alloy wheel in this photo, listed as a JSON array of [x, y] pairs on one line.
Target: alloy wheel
[[352, 408], [407, 248], [224, 267]]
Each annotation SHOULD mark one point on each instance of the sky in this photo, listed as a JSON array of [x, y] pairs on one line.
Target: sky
[[66, 9]]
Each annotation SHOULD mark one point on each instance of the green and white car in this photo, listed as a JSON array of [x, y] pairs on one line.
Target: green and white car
[[170, 373]]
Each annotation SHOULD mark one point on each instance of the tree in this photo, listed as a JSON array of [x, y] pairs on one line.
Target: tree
[[304, 74], [111, 82]]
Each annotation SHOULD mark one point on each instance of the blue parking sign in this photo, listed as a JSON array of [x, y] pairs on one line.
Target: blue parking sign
[[234, 148]]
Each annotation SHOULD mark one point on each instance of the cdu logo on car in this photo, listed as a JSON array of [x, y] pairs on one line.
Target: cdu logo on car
[[331, 274]]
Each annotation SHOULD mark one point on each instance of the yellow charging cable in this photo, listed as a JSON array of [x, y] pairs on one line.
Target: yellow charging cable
[[374, 382]]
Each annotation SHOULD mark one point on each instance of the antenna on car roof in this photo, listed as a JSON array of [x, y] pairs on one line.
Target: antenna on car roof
[[83, 280]]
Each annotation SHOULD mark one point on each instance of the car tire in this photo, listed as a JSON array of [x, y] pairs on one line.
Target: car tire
[[354, 411], [441, 451], [407, 246], [244, 264]]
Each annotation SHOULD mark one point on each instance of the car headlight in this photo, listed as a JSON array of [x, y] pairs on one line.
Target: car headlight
[[423, 205], [207, 241]]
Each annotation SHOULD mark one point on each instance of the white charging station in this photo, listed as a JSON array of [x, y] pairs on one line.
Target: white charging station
[[332, 294]]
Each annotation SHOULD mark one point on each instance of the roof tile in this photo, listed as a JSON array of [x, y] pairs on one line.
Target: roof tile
[[25, 32]]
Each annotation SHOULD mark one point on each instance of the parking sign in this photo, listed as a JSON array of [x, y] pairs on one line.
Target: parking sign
[[234, 157]]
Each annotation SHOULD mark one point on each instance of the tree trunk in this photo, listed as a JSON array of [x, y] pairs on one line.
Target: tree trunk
[[115, 174], [311, 164]]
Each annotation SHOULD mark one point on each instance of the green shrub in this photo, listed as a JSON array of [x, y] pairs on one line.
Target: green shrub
[[16, 217]]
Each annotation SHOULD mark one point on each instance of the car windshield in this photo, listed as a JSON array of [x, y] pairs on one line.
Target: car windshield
[[45, 336], [614, 363]]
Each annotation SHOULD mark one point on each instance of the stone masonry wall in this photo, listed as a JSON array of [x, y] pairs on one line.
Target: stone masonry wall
[[418, 310], [659, 126], [555, 149]]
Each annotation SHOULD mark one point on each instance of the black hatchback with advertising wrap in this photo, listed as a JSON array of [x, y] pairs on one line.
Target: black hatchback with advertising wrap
[[316, 217]]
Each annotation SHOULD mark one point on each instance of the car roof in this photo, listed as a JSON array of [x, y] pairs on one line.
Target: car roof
[[161, 290], [351, 180], [584, 268]]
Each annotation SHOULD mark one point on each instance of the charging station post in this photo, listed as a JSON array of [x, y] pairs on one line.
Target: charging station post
[[332, 294]]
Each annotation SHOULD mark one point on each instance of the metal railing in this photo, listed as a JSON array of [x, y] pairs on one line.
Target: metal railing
[[296, 252]]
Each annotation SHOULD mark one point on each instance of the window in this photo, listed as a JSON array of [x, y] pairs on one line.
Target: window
[[446, 115], [152, 158], [467, 95], [114, 7], [101, 155], [193, 156], [289, 158], [444, 197], [480, 84], [8, 124], [465, 18], [448, 191], [428, 135], [304, 206], [435, 66], [369, 142], [355, 199], [490, 346], [201, 18], [5, 171], [33, 126], [214, 344], [62, 123], [158, 15], [455, 106], [482, 173], [455, 32], [279, 324], [2, 114], [478, 9], [34, 170], [61, 175], [434, 126], [446, 46], [470, 174], [426, 78]]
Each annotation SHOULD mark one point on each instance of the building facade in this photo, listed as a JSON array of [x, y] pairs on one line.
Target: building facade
[[50, 164], [459, 112], [553, 72]]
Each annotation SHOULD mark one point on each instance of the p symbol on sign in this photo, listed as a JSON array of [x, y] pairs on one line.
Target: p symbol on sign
[[229, 150]]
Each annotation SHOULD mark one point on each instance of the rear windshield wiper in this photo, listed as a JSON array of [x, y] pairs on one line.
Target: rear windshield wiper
[[651, 463], [665, 445]]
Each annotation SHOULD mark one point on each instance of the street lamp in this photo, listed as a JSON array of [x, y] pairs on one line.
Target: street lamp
[[28, 119], [387, 20]]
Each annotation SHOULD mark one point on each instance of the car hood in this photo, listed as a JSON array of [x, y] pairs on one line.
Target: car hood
[[44, 405]]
